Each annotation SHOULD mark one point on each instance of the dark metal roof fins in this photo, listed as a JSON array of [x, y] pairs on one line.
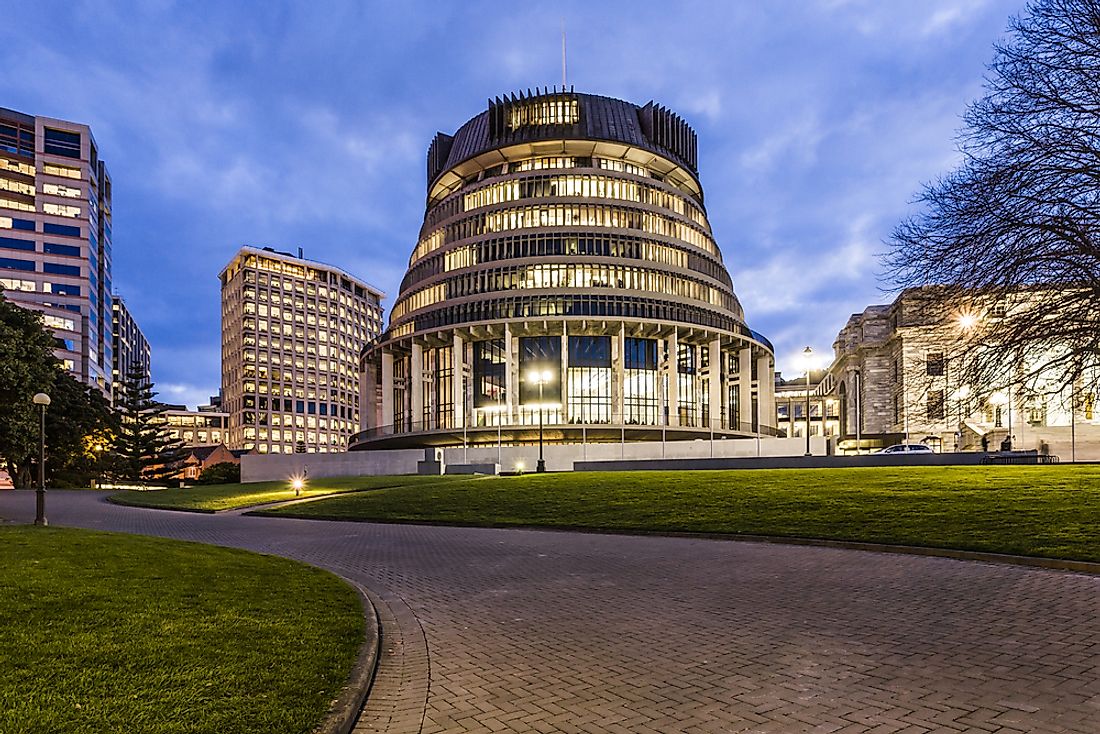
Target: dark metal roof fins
[[563, 114]]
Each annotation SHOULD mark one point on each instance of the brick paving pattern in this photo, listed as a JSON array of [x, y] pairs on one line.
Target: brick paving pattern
[[526, 631]]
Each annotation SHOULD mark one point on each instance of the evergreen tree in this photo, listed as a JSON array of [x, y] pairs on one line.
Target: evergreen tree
[[144, 450]]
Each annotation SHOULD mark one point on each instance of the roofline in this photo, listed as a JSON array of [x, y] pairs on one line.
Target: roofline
[[285, 257]]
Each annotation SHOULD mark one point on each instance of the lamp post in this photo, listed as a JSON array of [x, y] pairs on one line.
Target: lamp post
[[966, 321], [540, 378], [42, 400], [807, 355]]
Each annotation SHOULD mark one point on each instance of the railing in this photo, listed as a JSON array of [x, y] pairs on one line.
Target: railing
[[598, 431], [1019, 457]]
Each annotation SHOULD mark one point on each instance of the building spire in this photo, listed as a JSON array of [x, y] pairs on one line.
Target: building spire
[[563, 76]]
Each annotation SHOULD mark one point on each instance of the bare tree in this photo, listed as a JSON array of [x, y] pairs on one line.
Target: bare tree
[[1011, 239]]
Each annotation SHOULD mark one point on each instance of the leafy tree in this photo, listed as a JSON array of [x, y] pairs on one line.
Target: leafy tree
[[1011, 238], [79, 422], [225, 472], [27, 366], [143, 448]]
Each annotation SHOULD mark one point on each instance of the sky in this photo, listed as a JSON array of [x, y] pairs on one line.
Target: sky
[[294, 124]]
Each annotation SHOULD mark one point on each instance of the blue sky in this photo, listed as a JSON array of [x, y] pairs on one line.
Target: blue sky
[[296, 124]]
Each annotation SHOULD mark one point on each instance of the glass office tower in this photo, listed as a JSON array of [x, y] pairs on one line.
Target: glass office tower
[[55, 237]]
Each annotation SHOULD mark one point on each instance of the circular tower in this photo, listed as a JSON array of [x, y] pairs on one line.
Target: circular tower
[[565, 273]]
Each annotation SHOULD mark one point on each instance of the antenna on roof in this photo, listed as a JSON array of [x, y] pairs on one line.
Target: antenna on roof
[[563, 54]]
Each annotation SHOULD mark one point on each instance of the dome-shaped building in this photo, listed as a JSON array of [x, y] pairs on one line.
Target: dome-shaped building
[[566, 269]]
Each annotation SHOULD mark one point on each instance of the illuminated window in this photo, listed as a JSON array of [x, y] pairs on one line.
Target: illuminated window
[[57, 169], [544, 111], [589, 379], [640, 404], [59, 190]]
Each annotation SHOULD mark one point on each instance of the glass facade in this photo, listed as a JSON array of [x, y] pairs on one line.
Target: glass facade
[[54, 185], [584, 288]]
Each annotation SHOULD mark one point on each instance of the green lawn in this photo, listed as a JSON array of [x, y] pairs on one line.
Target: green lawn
[[115, 633], [217, 497], [1038, 511]]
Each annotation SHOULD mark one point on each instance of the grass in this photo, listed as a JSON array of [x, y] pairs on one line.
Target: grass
[[215, 497], [1036, 511], [105, 632]]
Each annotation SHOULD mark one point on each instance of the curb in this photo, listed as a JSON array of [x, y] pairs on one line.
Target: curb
[[344, 710]]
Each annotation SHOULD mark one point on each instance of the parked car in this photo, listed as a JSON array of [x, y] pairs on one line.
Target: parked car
[[906, 448]]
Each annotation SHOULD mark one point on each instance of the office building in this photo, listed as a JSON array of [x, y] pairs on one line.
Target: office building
[[55, 237], [292, 333], [201, 427], [565, 274], [131, 348]]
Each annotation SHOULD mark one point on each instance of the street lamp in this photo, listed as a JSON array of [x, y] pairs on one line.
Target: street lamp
[[43, 400], [807, 355], [540, 378]]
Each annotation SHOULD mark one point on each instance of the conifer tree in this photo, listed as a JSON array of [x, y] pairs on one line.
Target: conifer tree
[[144, 450]]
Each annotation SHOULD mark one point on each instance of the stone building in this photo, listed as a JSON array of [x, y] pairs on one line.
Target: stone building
[[897, 375]]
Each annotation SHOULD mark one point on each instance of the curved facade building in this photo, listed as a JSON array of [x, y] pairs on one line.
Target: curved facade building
[[565, 238]]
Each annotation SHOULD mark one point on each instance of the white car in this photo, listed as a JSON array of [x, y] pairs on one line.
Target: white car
[[906, 448]]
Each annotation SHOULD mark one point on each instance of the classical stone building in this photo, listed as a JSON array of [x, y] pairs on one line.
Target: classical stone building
[[565, 274], [897, 377], [791, 402]]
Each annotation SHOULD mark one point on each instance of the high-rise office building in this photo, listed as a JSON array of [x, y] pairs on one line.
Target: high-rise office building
[[131, 348], [565, 273], [55, 236], [292, 332]]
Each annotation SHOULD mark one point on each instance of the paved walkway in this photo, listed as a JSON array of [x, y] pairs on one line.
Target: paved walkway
[[526, 631]]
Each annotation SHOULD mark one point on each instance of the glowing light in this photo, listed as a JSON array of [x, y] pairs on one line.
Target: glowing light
[[967, 321], [297, 483], [540, 377]]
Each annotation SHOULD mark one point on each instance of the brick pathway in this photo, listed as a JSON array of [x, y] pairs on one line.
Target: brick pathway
[[524, 631]]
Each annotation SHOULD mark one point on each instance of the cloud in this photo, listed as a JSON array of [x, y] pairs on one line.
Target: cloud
[[286, 125]]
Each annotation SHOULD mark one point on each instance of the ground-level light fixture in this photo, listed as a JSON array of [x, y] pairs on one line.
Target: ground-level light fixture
[[297, 483], [42, 400]]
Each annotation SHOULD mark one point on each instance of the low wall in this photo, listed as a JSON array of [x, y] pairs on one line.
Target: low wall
[[785, 462], [275, 467], [559, 457]]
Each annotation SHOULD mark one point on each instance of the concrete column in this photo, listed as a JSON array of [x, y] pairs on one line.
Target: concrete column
[[416, 386], [618, 388], [564, 374], [459, 364], [387, 388], [368, 398], [717, 385], [511, 377], [766, 390], [673, 381], [744, 388]]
